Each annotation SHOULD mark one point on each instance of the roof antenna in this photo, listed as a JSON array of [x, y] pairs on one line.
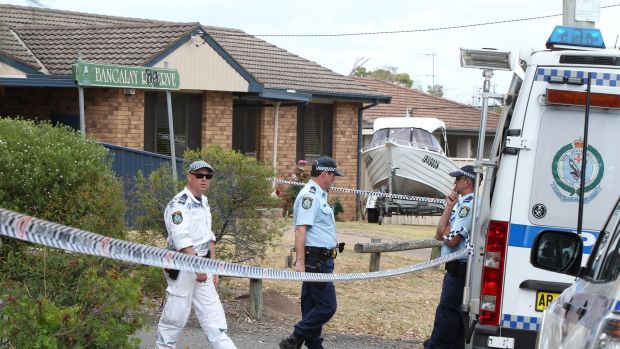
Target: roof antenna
[[616, 43], [37, 3]]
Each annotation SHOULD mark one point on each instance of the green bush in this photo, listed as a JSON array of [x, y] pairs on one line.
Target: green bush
[[51, 298], [240, 187]]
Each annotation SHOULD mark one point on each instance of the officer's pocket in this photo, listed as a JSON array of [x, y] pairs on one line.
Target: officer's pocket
[[177, 308]]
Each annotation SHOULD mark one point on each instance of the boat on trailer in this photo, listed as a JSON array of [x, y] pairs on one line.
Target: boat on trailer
[[404, 157]]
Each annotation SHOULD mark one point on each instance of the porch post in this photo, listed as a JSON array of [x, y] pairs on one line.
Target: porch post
[[173, 157], [276, 117]]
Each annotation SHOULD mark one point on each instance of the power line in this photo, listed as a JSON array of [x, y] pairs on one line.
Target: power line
[[424, 29]]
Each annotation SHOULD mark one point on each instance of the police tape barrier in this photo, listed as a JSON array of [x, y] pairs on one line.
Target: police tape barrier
[[26, 228], [370, 193]]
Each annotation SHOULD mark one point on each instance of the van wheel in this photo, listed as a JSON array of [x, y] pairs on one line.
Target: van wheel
[[372, 214]]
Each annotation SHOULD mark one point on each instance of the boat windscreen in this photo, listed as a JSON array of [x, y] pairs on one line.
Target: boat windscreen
[[425, 140], [413, 137]]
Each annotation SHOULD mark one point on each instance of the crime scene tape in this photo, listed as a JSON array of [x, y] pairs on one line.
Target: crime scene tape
[[26, 228], [370, 193]]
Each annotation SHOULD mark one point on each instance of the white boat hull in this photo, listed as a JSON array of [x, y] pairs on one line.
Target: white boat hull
[[419, 172]]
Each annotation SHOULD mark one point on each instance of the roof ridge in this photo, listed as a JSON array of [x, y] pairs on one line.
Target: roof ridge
[[49, 10], [94, 26]]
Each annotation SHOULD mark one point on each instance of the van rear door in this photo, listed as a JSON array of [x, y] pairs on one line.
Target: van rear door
[[547, 180]]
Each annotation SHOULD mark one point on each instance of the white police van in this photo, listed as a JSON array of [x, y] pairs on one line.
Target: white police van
[[533, 183], [587, 314]]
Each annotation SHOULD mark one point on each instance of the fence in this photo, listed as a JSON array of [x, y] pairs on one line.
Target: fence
[[376, 247]]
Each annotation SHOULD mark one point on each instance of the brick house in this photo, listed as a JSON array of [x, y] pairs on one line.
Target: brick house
[[233, 88]]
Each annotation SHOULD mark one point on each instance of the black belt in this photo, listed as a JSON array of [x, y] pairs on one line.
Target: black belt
[[457, 268], [321, 253]]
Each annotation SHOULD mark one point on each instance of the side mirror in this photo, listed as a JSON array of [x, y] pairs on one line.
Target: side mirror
[[557, 251]]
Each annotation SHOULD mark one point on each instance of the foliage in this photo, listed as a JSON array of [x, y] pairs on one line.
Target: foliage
[[291, 191], [388, 74], [240, 186], [51, 298], [435, 90], [338, 209]]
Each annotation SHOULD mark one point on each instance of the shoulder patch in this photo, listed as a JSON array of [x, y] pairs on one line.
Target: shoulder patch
[[464, 211], [312, 190], [177, 217], [468, 199], [183, 199], [306, 202]]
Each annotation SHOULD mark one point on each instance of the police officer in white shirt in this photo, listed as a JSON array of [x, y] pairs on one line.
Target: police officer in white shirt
[[188, 221]]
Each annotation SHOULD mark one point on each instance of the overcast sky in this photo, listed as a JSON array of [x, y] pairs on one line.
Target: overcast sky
[[410, 52]]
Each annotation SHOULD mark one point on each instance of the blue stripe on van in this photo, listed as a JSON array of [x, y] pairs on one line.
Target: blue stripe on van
[[616, 308], [599, 79], [521, 235]]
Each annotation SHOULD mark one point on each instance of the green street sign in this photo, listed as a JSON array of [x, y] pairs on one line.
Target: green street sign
[[122, 76]]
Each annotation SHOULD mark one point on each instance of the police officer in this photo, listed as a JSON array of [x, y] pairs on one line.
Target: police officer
[[453, 230], [315, 245], [188, 221]]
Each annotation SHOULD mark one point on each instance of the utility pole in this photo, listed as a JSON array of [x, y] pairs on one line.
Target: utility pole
[[581, 13]]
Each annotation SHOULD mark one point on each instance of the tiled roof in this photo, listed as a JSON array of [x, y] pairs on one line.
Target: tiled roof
[[53, 39], [11, 15], [117, 44], [279, 69], [456, 115]]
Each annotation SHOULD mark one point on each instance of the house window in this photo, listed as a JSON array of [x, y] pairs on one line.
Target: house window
[[314, 131], [187, 122], [246, 130]]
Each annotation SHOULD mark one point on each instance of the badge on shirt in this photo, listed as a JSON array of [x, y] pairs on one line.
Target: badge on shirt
[[177, 217], [464, 211], [306, 202]]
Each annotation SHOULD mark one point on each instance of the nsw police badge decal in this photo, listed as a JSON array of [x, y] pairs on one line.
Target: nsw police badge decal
[[306, 202], [177, 217], [463, 211]]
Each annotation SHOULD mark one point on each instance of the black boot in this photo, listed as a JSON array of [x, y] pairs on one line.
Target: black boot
[[291, 342]]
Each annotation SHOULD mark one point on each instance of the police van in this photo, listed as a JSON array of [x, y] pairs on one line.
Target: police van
[[533, 183]]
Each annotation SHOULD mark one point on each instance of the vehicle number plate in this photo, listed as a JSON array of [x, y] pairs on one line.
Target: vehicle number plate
[[543, 299]]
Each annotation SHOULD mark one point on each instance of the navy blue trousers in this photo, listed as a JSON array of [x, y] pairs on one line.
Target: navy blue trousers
[[318, 305], [448, 330]]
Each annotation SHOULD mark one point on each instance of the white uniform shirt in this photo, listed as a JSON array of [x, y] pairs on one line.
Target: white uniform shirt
[[460, 223], [188, 222]]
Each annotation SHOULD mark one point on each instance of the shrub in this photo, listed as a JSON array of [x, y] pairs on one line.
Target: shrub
[[51, 298], [240, 187]]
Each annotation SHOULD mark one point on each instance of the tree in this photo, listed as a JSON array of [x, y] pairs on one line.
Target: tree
[[52, 298], [387, 73], [436, 90], [240, 187]]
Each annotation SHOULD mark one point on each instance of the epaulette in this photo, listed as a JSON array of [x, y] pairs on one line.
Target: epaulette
[[312, 190], [182, 199], [468, 199]]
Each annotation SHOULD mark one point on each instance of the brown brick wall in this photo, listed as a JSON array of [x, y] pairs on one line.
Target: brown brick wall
[[345, 152], [344, 147], [38, 103], [111, 116], [287, 139], [114, 117], [217, 117]]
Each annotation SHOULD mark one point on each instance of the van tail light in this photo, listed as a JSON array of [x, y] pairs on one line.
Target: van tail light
[[493, 273], [578, 98], [609, 335]]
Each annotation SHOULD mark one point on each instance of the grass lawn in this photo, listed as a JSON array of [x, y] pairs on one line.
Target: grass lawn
[[393, 307]]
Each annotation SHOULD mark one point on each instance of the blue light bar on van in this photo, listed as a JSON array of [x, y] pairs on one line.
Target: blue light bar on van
[[566, 37]]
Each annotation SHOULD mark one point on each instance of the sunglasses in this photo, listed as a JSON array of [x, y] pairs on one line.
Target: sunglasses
[[203, 175]]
